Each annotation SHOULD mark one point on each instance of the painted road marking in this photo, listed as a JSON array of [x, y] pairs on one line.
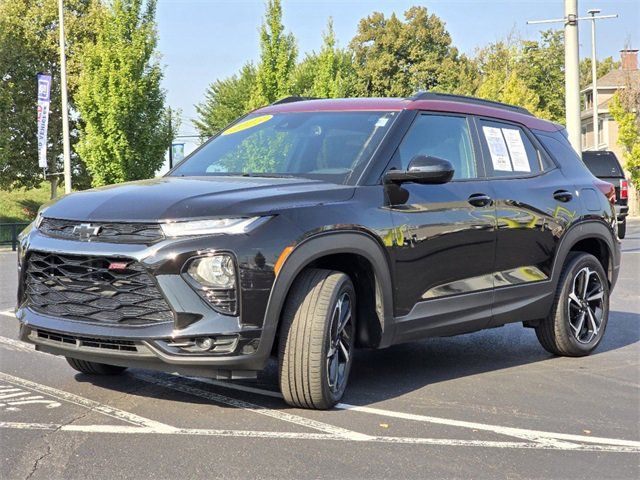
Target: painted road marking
[[180, 385], [540, 438], [534, 435], [12, 398], [116, 429], [84, 402], [19, 346]]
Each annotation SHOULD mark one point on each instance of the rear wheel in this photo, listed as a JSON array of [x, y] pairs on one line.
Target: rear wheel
[[317, 339], [580, 312], [93, 368]]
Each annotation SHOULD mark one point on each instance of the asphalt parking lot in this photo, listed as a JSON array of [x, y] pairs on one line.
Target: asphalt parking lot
[[491, 404]]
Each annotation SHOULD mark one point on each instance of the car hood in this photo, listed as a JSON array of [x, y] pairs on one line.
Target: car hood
[[177, 198]]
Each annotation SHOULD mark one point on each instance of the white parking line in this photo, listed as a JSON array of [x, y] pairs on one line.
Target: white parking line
[[536, 438], [534, 435], [84, 402], [174, 383], [19, 346], [117, 429]]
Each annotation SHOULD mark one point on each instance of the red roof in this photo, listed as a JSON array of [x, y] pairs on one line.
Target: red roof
[[397, 104]]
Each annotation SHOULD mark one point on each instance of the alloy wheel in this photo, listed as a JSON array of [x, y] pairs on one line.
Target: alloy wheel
[[340, 343], [585, 305]]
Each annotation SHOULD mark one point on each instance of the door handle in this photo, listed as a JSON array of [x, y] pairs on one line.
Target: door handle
[[480, 200], [562, 195]]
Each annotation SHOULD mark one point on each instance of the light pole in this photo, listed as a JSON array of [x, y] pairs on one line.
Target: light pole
[[66, 149], [572, 73], [572, 65], [594, 79]]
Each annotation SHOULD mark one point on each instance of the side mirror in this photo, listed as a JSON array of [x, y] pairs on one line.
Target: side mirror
[[422, 169]]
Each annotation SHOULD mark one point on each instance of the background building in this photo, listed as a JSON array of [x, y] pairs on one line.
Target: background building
[[608, 85]]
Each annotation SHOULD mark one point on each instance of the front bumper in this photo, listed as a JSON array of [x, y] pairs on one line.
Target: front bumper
[[157, 345]]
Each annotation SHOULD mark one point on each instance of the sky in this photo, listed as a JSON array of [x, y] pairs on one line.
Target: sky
[[203, 40]]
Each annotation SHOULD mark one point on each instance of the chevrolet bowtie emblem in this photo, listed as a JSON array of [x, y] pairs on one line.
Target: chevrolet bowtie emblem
[[86, 230]]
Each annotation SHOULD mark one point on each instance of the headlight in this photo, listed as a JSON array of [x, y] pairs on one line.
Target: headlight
[[208, 227], [38, 220], [215, 272]]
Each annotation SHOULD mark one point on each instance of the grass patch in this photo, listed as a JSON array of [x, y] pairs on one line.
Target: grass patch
[[22, 205]]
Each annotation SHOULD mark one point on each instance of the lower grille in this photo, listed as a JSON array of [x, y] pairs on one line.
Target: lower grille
[[106, 344], [92, 288]]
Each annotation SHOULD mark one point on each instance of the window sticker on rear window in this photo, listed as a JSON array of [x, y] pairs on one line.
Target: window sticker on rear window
[[516, 150], [382, 121], [497, 149]]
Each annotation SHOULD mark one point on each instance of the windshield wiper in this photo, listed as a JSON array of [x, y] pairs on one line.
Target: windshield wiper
[[268, 175]]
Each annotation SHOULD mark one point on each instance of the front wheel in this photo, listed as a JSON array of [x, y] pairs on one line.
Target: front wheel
[[93, 368], [580, 311], [317, 339]]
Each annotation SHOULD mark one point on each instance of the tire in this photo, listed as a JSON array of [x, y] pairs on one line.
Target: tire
[[93, 368], [575, 327], [315, 350], [622, 229]]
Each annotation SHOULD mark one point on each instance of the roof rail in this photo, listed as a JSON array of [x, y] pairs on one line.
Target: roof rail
[[449, 97], [291, 99]]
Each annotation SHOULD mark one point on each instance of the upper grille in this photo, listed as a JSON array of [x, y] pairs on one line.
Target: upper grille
[[84, 288], [144, 233]]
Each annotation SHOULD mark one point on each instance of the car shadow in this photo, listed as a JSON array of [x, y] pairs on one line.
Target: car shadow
[[379, 375]]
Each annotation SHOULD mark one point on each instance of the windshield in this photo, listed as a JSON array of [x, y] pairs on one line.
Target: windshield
[[331, 146]]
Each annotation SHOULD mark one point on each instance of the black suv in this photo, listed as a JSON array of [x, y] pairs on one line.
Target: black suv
[[605, 166], [311, 227]]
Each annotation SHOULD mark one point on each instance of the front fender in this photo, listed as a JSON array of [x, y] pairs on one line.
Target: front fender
[[329, 243]]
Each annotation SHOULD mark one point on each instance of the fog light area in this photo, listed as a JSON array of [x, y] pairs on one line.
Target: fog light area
[[218, 344]]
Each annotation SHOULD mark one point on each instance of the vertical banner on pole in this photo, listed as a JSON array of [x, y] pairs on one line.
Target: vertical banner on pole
[[44, 98], [178, 151]]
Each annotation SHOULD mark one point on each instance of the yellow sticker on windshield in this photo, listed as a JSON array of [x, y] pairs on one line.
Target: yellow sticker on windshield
[[252, 122]]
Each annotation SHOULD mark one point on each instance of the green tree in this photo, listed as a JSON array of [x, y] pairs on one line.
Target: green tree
[[334, 68], [502, 78], [603, 67], [278, 52], [396, 58], [525, 73], [624, 108], [328, 74], [125, 131], [225, 100], [28, 45], [541, 64]]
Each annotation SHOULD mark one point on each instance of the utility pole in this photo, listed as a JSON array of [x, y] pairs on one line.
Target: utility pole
[[66, 149], [572, 73], [572, 66], [171, 135]]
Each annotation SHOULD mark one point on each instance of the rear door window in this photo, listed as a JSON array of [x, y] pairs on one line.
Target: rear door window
[[509, 152]]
